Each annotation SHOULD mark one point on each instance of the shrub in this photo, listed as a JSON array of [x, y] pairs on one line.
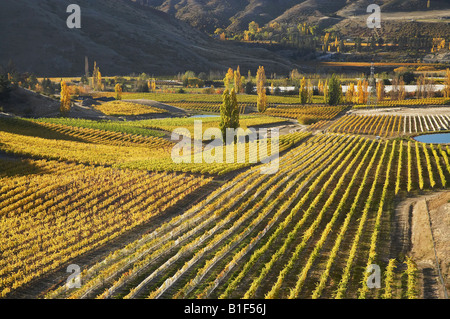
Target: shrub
[[409, 77], [307, 120], [210, 90], [249, 88]]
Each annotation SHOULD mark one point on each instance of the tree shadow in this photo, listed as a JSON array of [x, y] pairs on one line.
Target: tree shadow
[[29, 128], [11, 166], [430, 288]]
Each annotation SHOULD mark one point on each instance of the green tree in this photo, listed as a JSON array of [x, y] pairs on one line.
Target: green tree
[[253, 27], [249, 88], [303, 91], [238, 81], [31, 81], [234, 110], [84, 80], [5, 87], [47, 86], [229, 78], [334, 91], [358, 44], [225, 117], [229, 112], [95, 76], [188, 75]]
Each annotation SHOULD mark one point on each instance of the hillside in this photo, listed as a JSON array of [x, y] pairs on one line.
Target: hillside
[[121, 36], [236, 14]]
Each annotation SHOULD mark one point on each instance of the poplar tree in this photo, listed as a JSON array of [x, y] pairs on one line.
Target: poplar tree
[[360, 99], [65, 99], [334, 91], [99, 80], [238, 80], [420, 87], [350, 93], [225, 117], [447, 84], [366, 91], [229, 78], [394, 90], [118, 90], [398, 89], [380, 91], [151, 85], [325, 92], [260, 87], [95, 76], [229, 112], [234, 110], [320, 87], [401, 89], [310, 91], [303, 91]]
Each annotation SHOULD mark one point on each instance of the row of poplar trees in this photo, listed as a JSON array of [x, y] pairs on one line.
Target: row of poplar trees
[[229, 110], [234, 84]]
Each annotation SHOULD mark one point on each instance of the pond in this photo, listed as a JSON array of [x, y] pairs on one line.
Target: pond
[[442, 138]]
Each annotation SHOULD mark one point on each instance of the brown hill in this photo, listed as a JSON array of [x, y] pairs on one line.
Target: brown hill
[[123, 37], [236, 14]]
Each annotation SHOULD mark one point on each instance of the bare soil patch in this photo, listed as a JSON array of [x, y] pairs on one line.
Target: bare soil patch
[[422, 231]]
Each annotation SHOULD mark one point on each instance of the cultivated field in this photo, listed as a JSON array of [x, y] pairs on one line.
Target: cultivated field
[[72, 188], [232, 150]]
